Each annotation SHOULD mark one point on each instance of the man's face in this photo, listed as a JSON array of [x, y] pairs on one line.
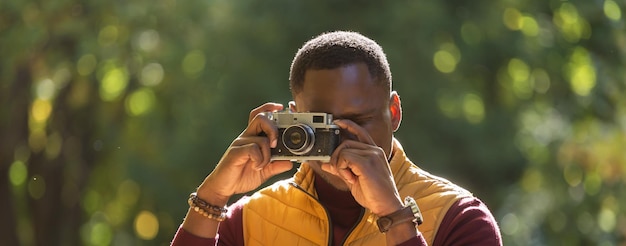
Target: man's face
[[348, 92]]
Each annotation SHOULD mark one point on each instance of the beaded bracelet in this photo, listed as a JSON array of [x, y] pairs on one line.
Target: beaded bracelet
[[206, 209]]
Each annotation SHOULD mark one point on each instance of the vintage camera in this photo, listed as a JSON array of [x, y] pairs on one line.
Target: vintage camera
[[304, 136]]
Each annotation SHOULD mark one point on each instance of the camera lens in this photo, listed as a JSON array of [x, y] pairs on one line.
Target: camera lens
[[299, 139]]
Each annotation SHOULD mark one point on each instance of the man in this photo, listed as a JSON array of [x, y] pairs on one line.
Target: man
[[356, 197]]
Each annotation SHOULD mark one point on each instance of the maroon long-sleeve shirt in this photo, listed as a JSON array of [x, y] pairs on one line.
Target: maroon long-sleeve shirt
[[467, 222]]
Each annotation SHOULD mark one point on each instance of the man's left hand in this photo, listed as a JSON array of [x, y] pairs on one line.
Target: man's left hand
[[363, 166]]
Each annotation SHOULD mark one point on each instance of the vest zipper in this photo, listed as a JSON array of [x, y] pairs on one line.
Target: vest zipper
[[358, 221], [330, 224]]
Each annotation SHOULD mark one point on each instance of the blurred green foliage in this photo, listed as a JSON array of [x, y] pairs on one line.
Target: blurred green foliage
[[113, 111]]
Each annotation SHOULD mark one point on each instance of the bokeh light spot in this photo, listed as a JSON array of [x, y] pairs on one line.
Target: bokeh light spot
[[448, 105], [529, 26], [86, 64], [581, 73], [62, 77], [36, 187], [54, 144], [37, 140], [108, 35], [148, 40], [612, 10], [444, 61], [45, 89], [610, 202], [519, 71], [101, 234], [140, 102], [116, 213], [607, 220], [18, 173], [113, 84], [41, 110], [572, 26], [532, 180], [583, 79], [193, 63], [128, 192], [510, 224], [473, 108], [91, 201], [592, 183], [585, 222], [512, 19], [25, 230], [573, 175], [541, 80], [146, 225], [453, 50], [152, 74]]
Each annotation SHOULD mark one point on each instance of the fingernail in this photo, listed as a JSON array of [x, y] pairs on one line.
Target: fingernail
[[274, 143]]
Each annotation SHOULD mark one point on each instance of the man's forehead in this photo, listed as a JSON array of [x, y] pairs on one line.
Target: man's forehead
[[344, 105]]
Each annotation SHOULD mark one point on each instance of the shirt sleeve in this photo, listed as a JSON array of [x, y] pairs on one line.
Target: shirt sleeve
[[230, 231], [468, 222], [183, 237], [416, 241]]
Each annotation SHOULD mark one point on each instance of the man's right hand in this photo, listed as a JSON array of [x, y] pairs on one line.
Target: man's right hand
[[244, 166], [246, 163]]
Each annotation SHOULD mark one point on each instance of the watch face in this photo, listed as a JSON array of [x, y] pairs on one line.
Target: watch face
[[410, 202]]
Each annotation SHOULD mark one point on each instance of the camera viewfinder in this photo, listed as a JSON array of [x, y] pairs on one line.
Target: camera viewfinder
[[318, 119]]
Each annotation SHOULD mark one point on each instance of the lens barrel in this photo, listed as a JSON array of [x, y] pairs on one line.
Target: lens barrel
[[298, 139]]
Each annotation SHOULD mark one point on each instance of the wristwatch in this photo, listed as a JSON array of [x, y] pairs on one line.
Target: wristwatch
[[410, 212]]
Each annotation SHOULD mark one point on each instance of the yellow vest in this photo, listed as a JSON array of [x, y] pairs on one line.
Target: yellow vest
[[288, 212]]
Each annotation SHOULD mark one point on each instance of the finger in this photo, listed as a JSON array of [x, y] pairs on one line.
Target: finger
[[277, 167], [267, 107], [358, 131], [339, 166], [348, 165], [248, 154], [361, 162], [348, 176], [262, 125], [346, 144], [329, 168], [262, 143], [351, 159]]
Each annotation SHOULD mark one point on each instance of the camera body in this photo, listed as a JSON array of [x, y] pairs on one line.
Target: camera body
[[304, 136]]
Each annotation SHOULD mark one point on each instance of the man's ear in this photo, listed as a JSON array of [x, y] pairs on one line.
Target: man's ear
[[395, 108], [292, 106]]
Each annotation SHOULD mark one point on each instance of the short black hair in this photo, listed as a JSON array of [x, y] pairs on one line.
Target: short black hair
[[337, 49]]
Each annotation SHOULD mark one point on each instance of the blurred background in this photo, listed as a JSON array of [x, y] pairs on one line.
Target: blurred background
[[112, 112]]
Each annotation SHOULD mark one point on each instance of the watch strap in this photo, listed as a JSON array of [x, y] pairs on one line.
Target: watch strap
[[401, 216]]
